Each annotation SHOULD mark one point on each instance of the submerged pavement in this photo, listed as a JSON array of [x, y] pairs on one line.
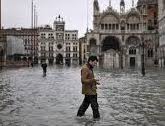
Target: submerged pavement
[[125, 97]]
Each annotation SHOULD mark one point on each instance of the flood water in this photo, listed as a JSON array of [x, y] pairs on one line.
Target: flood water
[[125, 97]]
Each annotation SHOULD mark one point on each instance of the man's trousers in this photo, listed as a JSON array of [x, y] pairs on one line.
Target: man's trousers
[[89, 99]]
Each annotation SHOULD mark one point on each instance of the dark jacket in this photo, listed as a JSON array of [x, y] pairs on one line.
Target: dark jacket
[[44, 66], [88, 82]]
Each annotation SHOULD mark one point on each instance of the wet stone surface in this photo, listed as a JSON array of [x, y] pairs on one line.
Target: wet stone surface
[[125, 98]]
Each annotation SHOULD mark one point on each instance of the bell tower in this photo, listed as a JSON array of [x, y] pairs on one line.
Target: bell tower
[[96, 8], [96, 14]]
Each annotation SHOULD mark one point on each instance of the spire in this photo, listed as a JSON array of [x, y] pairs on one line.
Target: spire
[[110, 3], [96, 7], [132, 3]]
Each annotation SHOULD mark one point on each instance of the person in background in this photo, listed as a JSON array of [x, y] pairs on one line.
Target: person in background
[[44, 67], [89, 87]]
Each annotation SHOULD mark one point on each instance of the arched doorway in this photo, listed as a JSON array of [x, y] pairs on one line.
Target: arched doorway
[[133, 57], [59, 59], [110, 42], [132, 61], [110, 57]]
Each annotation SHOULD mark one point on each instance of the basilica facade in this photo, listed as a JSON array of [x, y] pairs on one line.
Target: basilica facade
[[125, 39]]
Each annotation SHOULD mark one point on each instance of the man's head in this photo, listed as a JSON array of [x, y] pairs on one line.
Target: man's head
[[92, 60]]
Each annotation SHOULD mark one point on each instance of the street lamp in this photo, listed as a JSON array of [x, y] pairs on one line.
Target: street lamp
[[142, 45], [122, 52], [142, 58]]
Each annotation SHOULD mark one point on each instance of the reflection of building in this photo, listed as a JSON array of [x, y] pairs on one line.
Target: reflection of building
[[117, 36], [58, 45], [30, 40], [15, 45], [162, 33]]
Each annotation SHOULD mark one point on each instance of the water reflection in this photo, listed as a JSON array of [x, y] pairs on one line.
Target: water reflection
[[125, 97]]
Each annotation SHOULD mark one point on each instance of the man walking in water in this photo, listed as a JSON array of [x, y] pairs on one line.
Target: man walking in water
[[89, 86], [44, 66]]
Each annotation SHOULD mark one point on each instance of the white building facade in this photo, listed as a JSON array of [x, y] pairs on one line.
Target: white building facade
[[162, 33], [57, 45]]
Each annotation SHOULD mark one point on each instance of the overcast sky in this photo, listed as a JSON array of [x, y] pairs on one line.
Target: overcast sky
[[17, 13]]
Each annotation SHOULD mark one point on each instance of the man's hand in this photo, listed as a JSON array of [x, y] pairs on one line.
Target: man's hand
[[97, 81]]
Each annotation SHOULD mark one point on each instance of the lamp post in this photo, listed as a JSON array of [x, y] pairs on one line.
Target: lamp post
[[142, 45], [122, 52], [142, 57]]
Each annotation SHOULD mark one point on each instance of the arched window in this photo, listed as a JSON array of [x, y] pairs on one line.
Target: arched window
[[132, 51]]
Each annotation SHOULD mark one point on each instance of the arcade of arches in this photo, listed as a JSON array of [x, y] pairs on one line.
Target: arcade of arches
[[112, 54]]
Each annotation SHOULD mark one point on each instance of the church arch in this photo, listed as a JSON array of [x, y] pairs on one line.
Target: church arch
[[110, 42], [132, 41]]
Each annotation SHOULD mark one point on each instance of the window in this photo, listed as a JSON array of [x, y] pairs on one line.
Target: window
[[110, 26], [75, 49], [42, 35], [67, 55], [102, 26], [132, 51], [113, 26], [68, 36], [73, 36], [127, 26], [42, 48], [137, 26], [106, 26], [67, 49], [75, 55], [117, 26], [50, 48], [25, 41]]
